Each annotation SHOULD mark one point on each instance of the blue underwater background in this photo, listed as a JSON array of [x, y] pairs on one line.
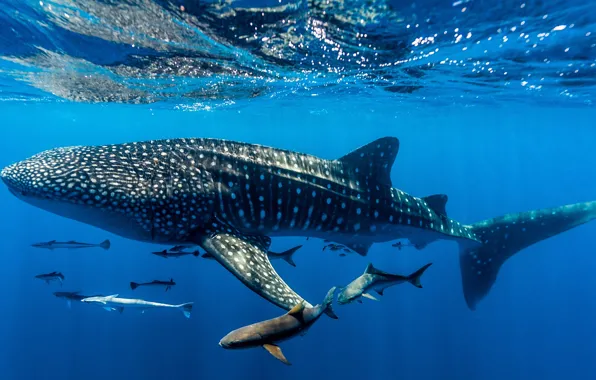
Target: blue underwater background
[[494, 146]]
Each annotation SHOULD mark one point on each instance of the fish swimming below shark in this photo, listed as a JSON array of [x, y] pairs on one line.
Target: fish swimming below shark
[[231, 198], [113, 302], [287, 255], [180, 248], [73, 296], [269, 333], [53, 244], [49, 277], [155, 283], [377, 280], [175, 254]]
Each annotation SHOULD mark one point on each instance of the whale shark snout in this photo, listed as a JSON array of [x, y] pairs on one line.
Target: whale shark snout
[[50, 174], [10, 177]]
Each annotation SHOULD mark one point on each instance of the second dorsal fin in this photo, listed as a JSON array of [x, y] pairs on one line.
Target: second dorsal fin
[[437, 203], [374, 160]]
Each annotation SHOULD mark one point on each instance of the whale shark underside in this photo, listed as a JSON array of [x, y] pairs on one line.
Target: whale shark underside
[[231, 198]]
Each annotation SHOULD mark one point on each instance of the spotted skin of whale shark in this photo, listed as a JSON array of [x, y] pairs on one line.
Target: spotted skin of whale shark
[[231, 198]]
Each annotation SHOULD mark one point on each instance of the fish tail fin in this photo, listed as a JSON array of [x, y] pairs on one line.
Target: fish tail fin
[[287, 255], [105, 244], [414, 278], [328, 303], [504, 236], [134, 285], [186, 308]]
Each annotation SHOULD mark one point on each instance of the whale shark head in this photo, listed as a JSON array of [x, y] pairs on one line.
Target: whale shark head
[[85, 184], [140, 191]]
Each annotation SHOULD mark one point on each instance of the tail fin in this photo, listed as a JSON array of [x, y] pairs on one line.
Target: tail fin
[[105, 244], [504, 236], [328, 303], [134, 285], [414, 278], [287, 255], [186, 308]]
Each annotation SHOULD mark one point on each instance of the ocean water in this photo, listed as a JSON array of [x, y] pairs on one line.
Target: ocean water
[[493, 103]]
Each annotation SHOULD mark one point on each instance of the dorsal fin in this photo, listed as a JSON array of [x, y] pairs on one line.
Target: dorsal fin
[[297, 309], [374, 160], [437, 203], [370, 269]]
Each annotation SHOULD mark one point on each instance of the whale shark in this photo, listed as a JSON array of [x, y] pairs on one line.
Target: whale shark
[[231, 198]]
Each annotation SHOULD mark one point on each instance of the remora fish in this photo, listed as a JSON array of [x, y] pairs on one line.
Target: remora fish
[[231, 197], [286, 256], [111, 303], [165, 254], [73, 296], [54, 276], [71, 245], [377, 280], [168, 284], [268, 333], [179, 248]]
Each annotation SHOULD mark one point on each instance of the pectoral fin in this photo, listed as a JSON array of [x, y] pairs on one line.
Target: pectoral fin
[[370, 297], [276, 352], [108, 308], [246, 257]]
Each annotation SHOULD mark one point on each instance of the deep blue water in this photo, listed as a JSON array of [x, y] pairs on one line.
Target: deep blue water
[[492, 144]]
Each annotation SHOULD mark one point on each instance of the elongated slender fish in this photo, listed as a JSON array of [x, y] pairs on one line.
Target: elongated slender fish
[[73, 296], [112, 303], [180, 248], [71, 245], [167, 284], [286, 256], [269, 333], [48, 277], [175, 254], [230, 198], [377, 280]]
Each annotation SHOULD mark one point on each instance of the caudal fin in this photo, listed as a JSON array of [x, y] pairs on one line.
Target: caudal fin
[[105, 244], [414, 278], [186, 308], [504, 236], [328, 303], [134, 285], [287, 255]]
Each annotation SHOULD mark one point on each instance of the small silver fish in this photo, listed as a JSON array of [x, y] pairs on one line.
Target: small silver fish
[[165, 254], [48, 277], [168, 284], [112, 303], [53, 244]]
